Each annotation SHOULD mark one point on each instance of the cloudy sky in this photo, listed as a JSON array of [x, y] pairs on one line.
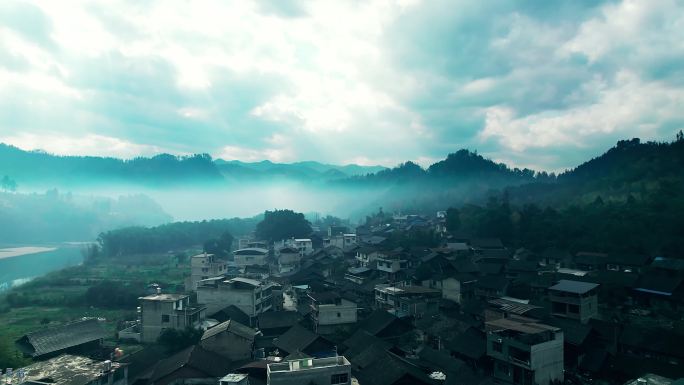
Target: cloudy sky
[[543, 84]]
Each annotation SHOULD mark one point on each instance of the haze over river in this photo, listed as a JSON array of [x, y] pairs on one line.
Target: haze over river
[[21, 263]]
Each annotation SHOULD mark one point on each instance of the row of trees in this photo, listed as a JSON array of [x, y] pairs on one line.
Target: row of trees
[[653, 224], [174, 236]]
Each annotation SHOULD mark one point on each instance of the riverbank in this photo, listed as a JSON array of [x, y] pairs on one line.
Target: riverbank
[[22, 263], [103, 288], [19, 251]]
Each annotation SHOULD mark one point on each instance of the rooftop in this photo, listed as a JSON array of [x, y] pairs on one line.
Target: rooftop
[[251, 251], [308, 364], [576, 287], [63, 370], [519, 324], [164, 297], [50, 340]]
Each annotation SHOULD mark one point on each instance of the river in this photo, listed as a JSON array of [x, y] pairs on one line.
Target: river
[[35, 261]]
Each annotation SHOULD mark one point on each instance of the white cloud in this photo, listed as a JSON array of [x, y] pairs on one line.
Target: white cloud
[[626, 108], [93, 145]]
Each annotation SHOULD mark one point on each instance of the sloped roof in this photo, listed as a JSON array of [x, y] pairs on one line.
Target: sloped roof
[[629, 259], [486, 243], [361, 341], [231, 312], [391, 369], [492, 282], [576, 287], [277, 319], [61, 337], [440, 359], [230, 326], [510, 306], [658, 283], [377, 321], [195, 357], [472, 343], [574, 333], [297, 338]]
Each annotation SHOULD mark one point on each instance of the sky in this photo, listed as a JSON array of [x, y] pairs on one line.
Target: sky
[[539, 84]]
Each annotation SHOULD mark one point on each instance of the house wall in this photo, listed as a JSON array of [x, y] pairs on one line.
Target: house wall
[[229, 345], [451, 289], [547, 361], [337, 314], [588, 305], [203, 267], [217, 298], [151, 319], [316, 376], [250, 259]]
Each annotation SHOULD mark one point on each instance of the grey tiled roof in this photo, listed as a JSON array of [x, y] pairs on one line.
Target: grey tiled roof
[[62, 337]]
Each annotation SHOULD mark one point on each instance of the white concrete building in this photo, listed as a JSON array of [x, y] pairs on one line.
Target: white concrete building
[[203, 266], [250, 256], [342, 241], [288, 259], [251, 296], [159, 312], [524, 351], [315, 371], [330, 311], [304, 245]]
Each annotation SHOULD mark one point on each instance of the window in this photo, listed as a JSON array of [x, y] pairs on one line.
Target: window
[[574, 309], [558, 307], [166, 318], [339, 314], [339, 378], [205, 269], [497, 346]]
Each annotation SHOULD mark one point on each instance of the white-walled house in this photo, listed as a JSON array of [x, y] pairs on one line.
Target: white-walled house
[[250, 256]]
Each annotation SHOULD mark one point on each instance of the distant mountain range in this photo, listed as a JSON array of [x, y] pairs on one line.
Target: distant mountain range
[[308, 170], [631, 168], [41, 168]]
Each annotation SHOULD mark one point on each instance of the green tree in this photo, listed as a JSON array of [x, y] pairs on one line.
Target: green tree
[[453, 219], [8, 184], [282, 224], [219, 246], [175, 340]]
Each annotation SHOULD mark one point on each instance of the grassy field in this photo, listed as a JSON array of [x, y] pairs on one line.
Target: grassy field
[[60, 297]]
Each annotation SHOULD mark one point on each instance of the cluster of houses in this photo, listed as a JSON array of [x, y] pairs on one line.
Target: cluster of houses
[[351, 308]]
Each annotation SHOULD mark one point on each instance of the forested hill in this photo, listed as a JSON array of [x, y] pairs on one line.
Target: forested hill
[[48, 170], [630, 168], [463, 165], [36, 167]]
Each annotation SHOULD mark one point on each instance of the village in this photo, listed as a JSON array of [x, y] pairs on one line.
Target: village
[[345, 307]]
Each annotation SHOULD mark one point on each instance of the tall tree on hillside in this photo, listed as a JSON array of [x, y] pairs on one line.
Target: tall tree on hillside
[[219, 246], [282, 224], [8, 184], [453, 219]]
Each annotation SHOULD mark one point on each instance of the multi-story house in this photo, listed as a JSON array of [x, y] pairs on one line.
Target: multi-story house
[[365, 256], [250, 256], [203, 266], [342, 241], [330, 311], [159, 312], [574, 299], [251, 296], [524, 351], [288, 259], [316, 371], [392, 263], [404, 301]]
